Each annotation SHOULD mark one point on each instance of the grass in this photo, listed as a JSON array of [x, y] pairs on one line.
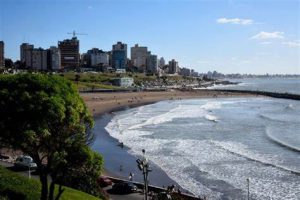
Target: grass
[[92, 80], [15, 186], [90, 85]]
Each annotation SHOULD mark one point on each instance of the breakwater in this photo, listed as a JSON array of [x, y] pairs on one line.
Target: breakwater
[[263, 93]]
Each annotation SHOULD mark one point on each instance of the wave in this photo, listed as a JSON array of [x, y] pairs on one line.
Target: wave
[[159, 119], [290, 107], [181, 111], [211, 118], [242, 152], [269, 118], [280, 142]]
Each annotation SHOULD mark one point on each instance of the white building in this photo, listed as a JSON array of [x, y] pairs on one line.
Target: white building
[[54, 58], [96, 57], [99, 59], [124, 82]]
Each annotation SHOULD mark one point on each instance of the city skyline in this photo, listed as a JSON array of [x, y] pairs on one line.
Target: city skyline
[[227, 36]]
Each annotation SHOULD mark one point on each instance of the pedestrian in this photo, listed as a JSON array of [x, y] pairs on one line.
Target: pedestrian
[[131, 176], [178, 191]]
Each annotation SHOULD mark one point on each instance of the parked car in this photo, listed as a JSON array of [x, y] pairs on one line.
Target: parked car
[[124, 188], [104, 181], [25, 162]]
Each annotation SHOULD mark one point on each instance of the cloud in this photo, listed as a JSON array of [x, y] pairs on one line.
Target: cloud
[[268, 35], [235, 21], [292, 43], [90, 7]]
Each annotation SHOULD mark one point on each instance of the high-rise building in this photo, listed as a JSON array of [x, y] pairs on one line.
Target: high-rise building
[[38, 59], [139, 56], [96, 57], [185, 71], [152, 64], [162, 62], [53, 57], [2, 59], [120, 46], [119, 56], [69, 52], [25, 54], [173, 67], [33, 58]]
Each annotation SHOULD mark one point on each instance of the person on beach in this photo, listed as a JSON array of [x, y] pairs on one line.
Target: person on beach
[[131, 176]]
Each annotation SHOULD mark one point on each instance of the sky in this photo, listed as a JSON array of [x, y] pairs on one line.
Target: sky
[[229, 36]]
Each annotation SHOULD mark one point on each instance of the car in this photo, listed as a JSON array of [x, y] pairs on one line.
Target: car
[[104, 181], [124, 188], [25, 162]]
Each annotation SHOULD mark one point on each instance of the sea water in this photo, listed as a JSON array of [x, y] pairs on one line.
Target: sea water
[[212, 146], [281, 85]]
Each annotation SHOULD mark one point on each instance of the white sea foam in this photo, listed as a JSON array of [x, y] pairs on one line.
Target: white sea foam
[[181, 111], [211, 118], [229, 161]]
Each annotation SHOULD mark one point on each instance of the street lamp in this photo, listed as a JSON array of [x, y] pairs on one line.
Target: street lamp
[[144, 166], [248, 188]]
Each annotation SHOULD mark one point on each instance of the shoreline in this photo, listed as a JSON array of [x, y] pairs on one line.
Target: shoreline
[[102, 105], [107, 102]]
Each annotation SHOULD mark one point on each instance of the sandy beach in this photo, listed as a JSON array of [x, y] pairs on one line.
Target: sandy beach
[[104, 102]]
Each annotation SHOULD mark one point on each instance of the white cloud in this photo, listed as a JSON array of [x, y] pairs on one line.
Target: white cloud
[[90, 7], [235, 21], [292, 43], [268, 35]]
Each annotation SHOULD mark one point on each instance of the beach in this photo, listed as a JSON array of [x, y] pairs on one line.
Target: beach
[[102, 106], [105, 102]]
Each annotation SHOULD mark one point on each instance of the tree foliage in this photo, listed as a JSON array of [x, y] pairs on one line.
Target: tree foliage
[[44, 116]]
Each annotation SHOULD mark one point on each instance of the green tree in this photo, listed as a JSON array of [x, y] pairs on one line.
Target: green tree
[[44, 116]]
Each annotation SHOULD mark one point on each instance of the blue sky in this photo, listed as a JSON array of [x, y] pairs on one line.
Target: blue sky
[[230, 36]]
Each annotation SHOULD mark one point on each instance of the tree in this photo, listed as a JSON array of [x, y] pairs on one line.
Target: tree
[[71, 171], [44, 117]]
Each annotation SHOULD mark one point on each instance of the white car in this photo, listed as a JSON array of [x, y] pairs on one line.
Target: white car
[[25, 162]]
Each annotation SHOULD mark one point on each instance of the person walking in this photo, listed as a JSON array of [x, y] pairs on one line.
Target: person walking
[[131, 176]]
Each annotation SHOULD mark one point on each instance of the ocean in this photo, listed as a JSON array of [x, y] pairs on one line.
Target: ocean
[[210, 147], [282, 85]]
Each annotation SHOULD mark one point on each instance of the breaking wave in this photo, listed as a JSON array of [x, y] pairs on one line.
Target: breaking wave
[[280, 142]]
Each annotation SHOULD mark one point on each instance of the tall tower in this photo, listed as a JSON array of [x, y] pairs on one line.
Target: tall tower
[[69, 52]]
